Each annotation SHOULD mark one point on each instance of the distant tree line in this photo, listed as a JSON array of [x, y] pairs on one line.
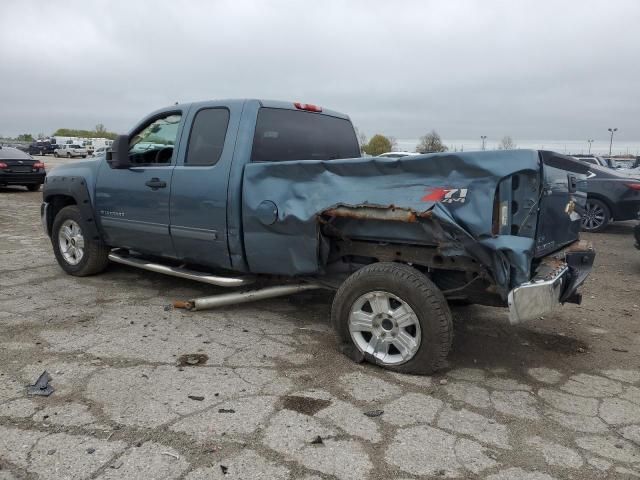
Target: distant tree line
[[99, 132], [429, 143]]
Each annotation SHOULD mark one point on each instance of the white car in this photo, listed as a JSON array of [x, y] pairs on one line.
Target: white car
[[70, 150], [397, 154]]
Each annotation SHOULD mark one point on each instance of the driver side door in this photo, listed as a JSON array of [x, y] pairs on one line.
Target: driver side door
[[133, 203]]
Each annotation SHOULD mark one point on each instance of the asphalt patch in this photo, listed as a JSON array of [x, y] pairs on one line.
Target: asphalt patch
[[304, 405]]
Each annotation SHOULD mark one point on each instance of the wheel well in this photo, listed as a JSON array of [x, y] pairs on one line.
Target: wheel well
[[604, 200], [57, 203]]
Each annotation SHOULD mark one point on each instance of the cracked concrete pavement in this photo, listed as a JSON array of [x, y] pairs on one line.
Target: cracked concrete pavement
[[276, 400]]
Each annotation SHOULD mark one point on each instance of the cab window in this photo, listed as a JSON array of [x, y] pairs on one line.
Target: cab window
[[154, 143], [206, 140]]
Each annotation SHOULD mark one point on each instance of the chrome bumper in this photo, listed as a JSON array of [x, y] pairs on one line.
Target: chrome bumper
[[537, 297]]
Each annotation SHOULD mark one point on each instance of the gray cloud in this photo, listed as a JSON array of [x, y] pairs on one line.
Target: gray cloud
[[532, 69]]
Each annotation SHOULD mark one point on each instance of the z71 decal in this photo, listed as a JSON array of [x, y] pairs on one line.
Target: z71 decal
[[446, 195]]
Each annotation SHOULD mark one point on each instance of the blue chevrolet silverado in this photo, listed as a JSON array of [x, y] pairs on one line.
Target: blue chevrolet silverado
[[275, 194]]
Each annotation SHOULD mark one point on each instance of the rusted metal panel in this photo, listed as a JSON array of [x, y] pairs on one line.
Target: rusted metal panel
[[373, 212]]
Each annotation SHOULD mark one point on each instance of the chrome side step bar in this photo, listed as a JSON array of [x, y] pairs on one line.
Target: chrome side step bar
[[180, 272]]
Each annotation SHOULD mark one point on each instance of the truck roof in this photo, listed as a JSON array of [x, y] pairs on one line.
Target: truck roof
[[263, 102]]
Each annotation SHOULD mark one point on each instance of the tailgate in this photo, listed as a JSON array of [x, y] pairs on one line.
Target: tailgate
[[562, 200]]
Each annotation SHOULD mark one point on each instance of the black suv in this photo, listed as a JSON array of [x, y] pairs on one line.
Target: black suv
[[42, 148]]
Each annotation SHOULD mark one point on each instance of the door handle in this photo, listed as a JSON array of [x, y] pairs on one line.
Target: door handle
[[156, 183]]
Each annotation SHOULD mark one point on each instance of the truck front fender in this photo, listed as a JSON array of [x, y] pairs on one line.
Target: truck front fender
[[61, 191]]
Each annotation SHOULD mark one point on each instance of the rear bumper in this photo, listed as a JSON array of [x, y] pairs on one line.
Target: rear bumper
[[556, 281], [22, 178]]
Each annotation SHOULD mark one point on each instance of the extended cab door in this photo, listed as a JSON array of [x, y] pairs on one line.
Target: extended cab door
[[133, 203], [200, 182]]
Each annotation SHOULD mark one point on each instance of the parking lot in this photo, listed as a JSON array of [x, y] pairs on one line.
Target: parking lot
[[143, 390]]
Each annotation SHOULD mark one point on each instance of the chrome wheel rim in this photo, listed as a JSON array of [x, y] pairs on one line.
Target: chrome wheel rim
[[594, 216], [71, 242], [386, 327]]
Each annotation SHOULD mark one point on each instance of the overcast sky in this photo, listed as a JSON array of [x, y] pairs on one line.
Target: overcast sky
[[531, 69]]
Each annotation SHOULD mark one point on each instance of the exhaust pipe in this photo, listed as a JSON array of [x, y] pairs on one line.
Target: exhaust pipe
[[180, 272], [235, 298]]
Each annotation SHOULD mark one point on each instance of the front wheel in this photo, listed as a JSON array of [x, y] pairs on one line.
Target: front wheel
[[55, 154], [75, 252], [596, 216], [396, 317], [68, 155]]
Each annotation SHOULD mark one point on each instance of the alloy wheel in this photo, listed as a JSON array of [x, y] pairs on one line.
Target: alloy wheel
[[386, 327]]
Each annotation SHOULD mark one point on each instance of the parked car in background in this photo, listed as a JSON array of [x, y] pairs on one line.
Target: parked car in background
[[397, 154], [100, 151], [612, 195], [596, 160], [42, 148], [70, 150], [19, 168]]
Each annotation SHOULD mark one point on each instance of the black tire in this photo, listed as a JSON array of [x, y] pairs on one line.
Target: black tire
[[55, 154], [68, 155], [415, 289], [596, 217], [33, 188], [95, 258], [84, 156]]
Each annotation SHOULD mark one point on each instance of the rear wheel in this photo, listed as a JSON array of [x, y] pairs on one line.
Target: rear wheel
[[55, 154], [76, 253], [68, 155], [596, 216], [33, 188], [395, 316]]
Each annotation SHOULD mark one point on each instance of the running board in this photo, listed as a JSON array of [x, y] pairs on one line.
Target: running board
[[181, 272]]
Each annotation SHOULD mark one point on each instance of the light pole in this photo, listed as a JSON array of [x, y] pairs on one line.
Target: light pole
[[611, 141], [590, 141], [484, 138]]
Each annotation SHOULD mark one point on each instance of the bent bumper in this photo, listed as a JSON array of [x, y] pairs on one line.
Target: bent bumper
[[557, 280]]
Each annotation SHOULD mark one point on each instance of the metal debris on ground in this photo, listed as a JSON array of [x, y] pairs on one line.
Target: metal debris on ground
[[41, 387], [317, 441], [197, 398], [226, 410]]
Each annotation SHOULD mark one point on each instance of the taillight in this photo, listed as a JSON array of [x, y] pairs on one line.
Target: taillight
[[38, 165], [307, 106], [633, 186], [3, 165]]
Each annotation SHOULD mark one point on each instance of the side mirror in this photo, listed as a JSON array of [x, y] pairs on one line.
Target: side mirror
[[118, 156]]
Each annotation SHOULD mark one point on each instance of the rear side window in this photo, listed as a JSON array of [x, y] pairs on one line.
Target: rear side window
[[293, 135], [206, 140]]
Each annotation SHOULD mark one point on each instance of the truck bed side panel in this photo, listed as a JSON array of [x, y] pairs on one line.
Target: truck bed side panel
[[439, 199]]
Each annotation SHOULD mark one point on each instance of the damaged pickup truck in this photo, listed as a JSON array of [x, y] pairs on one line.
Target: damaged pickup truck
[[246, 191]]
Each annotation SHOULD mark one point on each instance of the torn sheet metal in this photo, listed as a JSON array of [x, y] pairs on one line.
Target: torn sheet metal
[[444, 200]]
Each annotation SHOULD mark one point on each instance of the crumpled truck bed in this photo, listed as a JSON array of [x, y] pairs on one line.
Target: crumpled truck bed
[[445, 200]]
